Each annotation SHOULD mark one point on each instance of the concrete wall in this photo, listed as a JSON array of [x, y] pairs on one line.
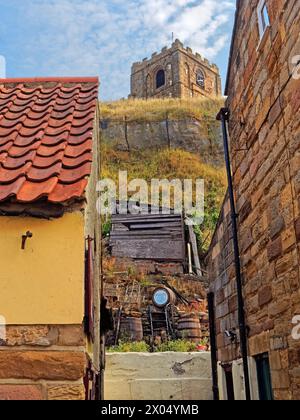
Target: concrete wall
[[158, 376]]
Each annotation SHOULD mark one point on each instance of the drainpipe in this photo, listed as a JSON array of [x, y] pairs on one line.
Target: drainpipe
[[223, 116], [213, 345]]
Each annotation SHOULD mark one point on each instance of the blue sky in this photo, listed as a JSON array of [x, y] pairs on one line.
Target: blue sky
[[104, 37]]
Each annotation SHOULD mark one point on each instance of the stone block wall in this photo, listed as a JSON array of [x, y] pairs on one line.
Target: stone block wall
[[181, 66], [220, 265], [43, 363], [264, 104], [160, 376]]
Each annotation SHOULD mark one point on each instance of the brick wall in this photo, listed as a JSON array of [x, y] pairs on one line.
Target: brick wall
[[264, 101]]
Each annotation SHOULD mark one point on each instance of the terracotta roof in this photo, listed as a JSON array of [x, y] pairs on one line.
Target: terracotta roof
[[46, 129]]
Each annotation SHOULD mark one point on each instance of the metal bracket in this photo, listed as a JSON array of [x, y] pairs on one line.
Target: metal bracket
[[25, 237]]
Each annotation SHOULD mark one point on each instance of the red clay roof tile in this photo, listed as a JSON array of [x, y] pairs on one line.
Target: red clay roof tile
[[11, 190], [74, 162], [33, 191], [42, 174], [17, 151], [75, 151], [16, 162], [46, 130], [68, 175], [45, 162], [64, 192], [10, 176], [48, 151]]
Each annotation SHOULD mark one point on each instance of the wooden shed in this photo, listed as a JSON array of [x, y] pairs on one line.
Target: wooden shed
[[157, 237]]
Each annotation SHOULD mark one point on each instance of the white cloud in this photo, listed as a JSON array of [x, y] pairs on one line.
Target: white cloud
[[88, 37], [2, 67]]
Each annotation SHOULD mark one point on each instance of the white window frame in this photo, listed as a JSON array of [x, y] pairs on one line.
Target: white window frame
[[263, 25]]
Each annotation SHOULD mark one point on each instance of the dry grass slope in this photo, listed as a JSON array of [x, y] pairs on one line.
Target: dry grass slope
[[157, 109], [165, 163], [171, 164]]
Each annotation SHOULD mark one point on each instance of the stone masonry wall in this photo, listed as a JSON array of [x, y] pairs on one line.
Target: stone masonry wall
[[181, 66], [43, 363], [264, 102], [160, 376], [201, 137], [220, 265]]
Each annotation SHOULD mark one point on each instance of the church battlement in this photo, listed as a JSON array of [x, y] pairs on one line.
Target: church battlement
[[175, 72], [176, 46]]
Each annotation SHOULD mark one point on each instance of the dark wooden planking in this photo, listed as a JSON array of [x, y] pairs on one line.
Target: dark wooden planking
[[133, 238], [163, 250], [149, 232], [154, 225], [150, 237], [144, 219], [148, 216]]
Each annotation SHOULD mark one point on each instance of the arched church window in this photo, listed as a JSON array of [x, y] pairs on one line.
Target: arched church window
[[200, 79], [160, 79]]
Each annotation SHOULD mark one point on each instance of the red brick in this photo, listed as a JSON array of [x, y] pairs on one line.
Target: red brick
[[20, 393]]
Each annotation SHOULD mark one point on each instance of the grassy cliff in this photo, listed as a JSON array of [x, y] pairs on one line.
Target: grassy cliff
[[170, 164], [165, 163], [157, 109]]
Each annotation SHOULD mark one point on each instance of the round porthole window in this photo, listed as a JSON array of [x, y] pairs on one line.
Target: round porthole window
[[161, 297]]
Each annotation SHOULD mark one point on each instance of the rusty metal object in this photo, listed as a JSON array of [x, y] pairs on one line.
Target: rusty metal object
[[25, 237]]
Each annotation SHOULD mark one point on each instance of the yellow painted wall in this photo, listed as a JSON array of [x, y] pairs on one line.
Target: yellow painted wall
[[44, 284]]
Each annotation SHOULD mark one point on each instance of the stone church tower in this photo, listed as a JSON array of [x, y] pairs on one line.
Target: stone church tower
[[175, 72]]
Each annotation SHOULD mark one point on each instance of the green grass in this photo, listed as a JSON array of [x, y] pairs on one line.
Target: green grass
[[171, 164], [135, 347], [157, 109], [177, 346]]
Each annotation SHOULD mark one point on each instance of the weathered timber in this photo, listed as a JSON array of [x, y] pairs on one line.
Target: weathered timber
[[157, 237], [160, 250]]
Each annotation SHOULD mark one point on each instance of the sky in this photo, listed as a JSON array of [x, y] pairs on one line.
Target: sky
[[40, 38]]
